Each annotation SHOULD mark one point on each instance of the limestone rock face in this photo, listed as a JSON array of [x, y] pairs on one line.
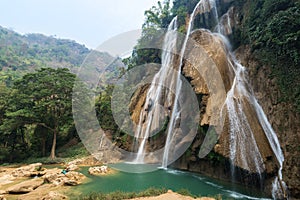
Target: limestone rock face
[[25, 186], [137, 102], [284, 119], [207, 58], [206, 54]]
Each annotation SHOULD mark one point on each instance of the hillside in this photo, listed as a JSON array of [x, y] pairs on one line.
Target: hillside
[[24, 53]]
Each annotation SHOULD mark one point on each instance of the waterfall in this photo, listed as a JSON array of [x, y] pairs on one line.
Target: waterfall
[[242, 138], [152, 112], [243, 143], [279, 187], [202, 7]]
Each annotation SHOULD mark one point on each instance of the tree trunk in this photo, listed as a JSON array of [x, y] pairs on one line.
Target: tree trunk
[[52, 155], [43, 146]]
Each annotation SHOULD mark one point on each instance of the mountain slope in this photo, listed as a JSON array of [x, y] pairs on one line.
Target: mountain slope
[[23, 53]]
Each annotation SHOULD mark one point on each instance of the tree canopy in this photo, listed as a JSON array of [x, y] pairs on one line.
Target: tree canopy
[[39, 99]]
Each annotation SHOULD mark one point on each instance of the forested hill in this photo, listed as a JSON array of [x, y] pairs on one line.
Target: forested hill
[[24, 53]]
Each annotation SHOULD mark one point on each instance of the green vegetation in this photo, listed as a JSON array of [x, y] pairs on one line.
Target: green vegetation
[[271, 28], [36, 83], [64, 155], [20, 54], [118, 195], [186, 192], [37, 108], [158, 18]]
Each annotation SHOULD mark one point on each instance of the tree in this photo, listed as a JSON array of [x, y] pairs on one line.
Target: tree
[[158, 17], [46, 99], [12, 124]]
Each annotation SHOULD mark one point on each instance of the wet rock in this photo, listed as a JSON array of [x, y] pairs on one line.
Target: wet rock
[[137, 102], [25, 186], [283, 117]]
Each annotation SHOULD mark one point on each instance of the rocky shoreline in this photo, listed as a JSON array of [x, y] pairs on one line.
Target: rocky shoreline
[[34, 181], [56, 182]]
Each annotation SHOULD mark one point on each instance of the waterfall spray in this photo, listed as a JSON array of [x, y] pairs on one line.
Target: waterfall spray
[[152, 111]]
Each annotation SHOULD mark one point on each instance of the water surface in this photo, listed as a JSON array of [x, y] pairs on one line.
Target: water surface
[[167, 178]]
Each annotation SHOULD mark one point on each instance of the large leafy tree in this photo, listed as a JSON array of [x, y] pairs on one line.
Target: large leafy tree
[[43, 98]]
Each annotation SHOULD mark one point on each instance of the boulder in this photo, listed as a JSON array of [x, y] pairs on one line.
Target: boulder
[[6, 179], [71, 182], [98, 170], [2, 197], [56, 177], [54, 196], [87, 161], [25, 186], [78, 161], [72, 167], [28, 170]]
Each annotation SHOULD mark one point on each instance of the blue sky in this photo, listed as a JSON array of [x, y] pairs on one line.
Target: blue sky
[[89, 22]]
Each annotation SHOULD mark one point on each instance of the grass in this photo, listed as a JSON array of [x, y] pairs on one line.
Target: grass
[[71, 153], [186, 192]]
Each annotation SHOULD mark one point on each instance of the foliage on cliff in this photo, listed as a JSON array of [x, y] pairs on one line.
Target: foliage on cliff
[[272, 29]]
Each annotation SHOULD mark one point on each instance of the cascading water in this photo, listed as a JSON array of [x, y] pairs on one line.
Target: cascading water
[[203, 6], [279, 187], [244, 150], [242, 138], [152, 112], [242, 141]]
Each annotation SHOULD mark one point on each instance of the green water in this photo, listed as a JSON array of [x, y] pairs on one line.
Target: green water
[[170, 179]]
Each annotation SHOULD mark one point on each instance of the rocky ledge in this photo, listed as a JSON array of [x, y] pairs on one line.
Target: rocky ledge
[[36, 182]]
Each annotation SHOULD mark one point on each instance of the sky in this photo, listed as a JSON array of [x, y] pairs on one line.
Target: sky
[[89, 22]]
